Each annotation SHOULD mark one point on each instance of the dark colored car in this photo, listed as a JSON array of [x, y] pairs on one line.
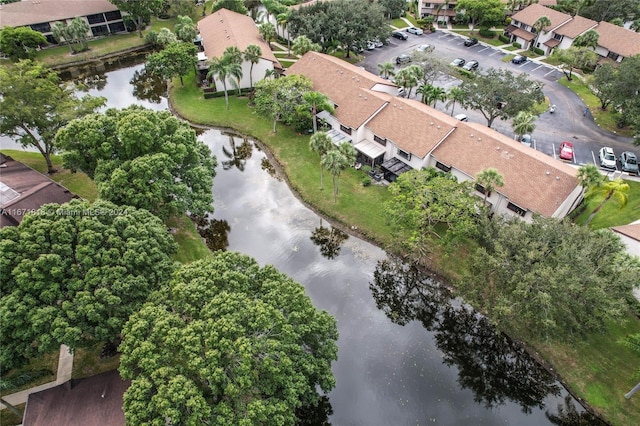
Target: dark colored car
[[519, 59], [471, 65], [403, 59], [458, 62], [398, 34], [472, 41]]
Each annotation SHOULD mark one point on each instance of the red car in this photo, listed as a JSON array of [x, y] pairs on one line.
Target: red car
[[566, 151]]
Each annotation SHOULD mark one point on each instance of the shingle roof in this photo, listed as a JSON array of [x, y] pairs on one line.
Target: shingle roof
[[530, 14], [576, 26], [632, 231], [225, 28], [346, 85], [29, 12], [618, 40], [532, 180], [412, 126]]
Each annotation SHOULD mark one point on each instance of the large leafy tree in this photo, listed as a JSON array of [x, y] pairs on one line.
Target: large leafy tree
[[606, 10], [424, 203], [550, 278], [575, 57], [431, 66], [233, 5], [393, 8], [279, 99], [230, 343], [487, 12], [34, 105], [140, 11], [149, 159], [604, 82], [500, 93], [73, 274], [20, 43], [176, 60], [303, 44]]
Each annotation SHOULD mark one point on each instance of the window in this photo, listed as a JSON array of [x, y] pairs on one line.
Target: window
[[345, 129], [516, 209], [99, 30], [113, 16], [558, 37], [481, 190], [404, 154], [613, 56], [443, 167], [43, 28], [95, 19], [380, 140], [117, 27]]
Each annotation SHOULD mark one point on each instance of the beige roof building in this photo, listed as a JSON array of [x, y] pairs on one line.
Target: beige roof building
[[576, 26], [29, 12], [618, 40], [531, 14]]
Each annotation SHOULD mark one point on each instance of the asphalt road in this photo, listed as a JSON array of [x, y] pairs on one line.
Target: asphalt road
[[567, 123]]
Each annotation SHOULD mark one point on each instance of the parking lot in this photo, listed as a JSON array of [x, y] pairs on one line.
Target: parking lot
[[569, 122]]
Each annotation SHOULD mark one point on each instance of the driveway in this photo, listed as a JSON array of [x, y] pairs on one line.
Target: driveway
[[568, 122]]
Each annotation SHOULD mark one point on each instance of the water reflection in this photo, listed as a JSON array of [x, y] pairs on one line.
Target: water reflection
[[237, 155], [491, 365], [148, 86], [568, 415], [96, 81], [214, 231], [315, 415], [329, 240]]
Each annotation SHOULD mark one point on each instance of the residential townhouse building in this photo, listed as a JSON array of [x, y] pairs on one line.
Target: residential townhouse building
[[445, 10], [41, 15], [226, 28], [397, 135]]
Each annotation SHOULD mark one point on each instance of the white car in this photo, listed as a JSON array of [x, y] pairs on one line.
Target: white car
[[424, 48], [607, 158], [414, 30]]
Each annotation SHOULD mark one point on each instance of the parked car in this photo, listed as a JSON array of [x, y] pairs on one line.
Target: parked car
[[471, 65], [566, 151], [424, 48], [399, 35], [629, 162], [458, 62], [471, 41], [607, 158], [403, 59], [519, 59], [414, 30], [526, 140], [378, 43], [370, 45], [461, 117]]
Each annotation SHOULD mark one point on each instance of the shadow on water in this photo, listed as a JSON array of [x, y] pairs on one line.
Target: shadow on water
[[215, 232], [329, 240], [489, 363], [148, 87], [237, 155]]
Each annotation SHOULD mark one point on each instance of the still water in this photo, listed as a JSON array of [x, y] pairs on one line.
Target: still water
[[409, 354]]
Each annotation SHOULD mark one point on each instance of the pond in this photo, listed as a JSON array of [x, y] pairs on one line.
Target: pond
[[409, 353]]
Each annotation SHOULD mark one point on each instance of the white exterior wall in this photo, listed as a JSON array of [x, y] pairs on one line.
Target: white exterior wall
[[565, 43], [602, 51], [389, 147], [259, 70], [633, 246]]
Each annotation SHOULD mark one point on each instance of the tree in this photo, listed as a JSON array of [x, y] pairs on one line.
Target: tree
[[335, 162], [61, 34], [185, 29], [318, 102], [589, 175], [431, 67], [21, 42], [386, 70], [393, 8], [500, 93], [431, 94], [574, 57], [616, 189], [633, 342], [252, 54], [549, 278], [74, 273], [225, 69], [538, 26], [267, 32], [148, 159], [321, 143], [489, 178], [603, 10], [408, 78], [230, 343], [34, 105], [140, 11], [283, 20], [423, 203], [232, 5], [455, 95], [588, 39], [487, 12], [604, 84], [302, 44], [279, 99], [175, 60], [523, 123]]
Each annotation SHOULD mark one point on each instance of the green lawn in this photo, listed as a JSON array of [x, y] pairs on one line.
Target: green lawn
[[604, 119], [511, 48], [611, 214], [399, 23]]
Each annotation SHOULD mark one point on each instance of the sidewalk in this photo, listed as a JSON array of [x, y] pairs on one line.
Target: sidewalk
[[65, 368]]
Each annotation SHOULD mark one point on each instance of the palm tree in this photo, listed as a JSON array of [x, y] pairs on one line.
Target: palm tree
[[386, 70], [321, 143], [523, 123], [283, 20], [349, 152], [335, 162], [616, 188], [588, 39], [252, 54], [225, 68], [407, 79], [589, 175], [455, 95], [489, 178], [542, 23], [234, 54], [267, 31], [431, 94], [185, 29], [318, 102]]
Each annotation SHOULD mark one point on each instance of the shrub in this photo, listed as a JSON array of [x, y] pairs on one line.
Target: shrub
[[366, 181], [538, 51], [503, 38], [517, 45], [465, 73], [366, 168], [486, 32]]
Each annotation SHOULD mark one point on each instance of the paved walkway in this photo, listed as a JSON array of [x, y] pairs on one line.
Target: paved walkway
[[65, 368]]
